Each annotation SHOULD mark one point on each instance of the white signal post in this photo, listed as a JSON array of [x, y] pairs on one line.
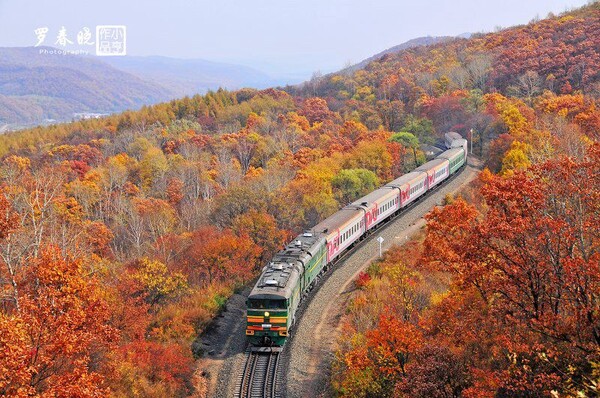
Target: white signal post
[[471, 141], [380, 240]]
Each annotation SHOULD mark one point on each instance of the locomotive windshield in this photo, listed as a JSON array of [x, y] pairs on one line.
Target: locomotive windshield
[[267, 304]]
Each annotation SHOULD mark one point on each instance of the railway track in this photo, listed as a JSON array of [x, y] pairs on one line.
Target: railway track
[[258, 378]]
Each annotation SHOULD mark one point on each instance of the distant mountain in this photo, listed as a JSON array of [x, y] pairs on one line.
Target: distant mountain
[[38, 88], [192, 76], [465, 35], [419, 41], [35, 86]]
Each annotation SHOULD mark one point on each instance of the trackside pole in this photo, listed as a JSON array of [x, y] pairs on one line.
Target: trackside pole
[[380, 240]]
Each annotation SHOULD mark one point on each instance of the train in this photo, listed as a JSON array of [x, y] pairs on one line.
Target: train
[[452, 139], [273, 302]]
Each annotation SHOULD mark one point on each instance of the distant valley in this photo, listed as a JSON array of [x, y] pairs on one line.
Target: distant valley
[[192, 76], [40, 88], [43, 89]]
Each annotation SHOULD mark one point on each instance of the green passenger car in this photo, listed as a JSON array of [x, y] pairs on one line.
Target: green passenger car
[[456, 157]]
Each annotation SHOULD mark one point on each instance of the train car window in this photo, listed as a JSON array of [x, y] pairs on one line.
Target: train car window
[[267, 304], [257, 304], [277, 304]]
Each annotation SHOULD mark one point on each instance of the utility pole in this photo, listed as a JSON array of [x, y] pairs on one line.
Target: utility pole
[[471, 141], [380, 240]]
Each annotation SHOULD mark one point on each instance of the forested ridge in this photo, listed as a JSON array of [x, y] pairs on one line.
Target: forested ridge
[[35, 86], [122, 237]]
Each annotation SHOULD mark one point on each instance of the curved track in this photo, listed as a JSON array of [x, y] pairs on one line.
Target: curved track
[[258, 378], [311, 346], [303, 365]]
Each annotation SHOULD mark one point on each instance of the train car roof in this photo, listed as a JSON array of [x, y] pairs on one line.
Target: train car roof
[[282, 273], [431, 164], [406, 179], [373, 196], [338, 220], [454, 135], [461, 142], [449, 153]]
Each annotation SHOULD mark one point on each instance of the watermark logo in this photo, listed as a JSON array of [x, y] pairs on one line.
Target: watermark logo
[[84, 36], [41, 35], [110, 40]]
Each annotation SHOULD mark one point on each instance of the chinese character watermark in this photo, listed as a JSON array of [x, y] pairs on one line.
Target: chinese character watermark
[[62, 39], [40, 33], [111, 40], [84, 36]]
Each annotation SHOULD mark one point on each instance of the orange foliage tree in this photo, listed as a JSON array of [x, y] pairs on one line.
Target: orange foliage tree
[[54, 343], [534, 260], [215, 255]]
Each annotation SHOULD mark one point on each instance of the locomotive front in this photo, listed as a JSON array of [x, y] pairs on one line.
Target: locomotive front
[[271, 302], [267, 320]]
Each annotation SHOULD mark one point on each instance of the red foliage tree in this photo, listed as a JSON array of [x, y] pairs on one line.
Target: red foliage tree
[[534, 258], [53, 344], [215, 255], [316, 110]]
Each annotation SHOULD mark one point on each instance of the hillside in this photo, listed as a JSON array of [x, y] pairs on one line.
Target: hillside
[[35, 86], [123, 237], [559, 50], [418, 42]]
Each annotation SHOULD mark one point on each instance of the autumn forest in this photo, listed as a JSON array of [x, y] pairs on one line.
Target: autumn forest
[[121, 238]]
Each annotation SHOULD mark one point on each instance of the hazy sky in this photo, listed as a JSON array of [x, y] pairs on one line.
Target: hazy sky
[[273, 35]]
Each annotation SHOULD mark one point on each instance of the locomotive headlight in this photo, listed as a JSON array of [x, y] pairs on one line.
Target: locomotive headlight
[[266, 314]]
